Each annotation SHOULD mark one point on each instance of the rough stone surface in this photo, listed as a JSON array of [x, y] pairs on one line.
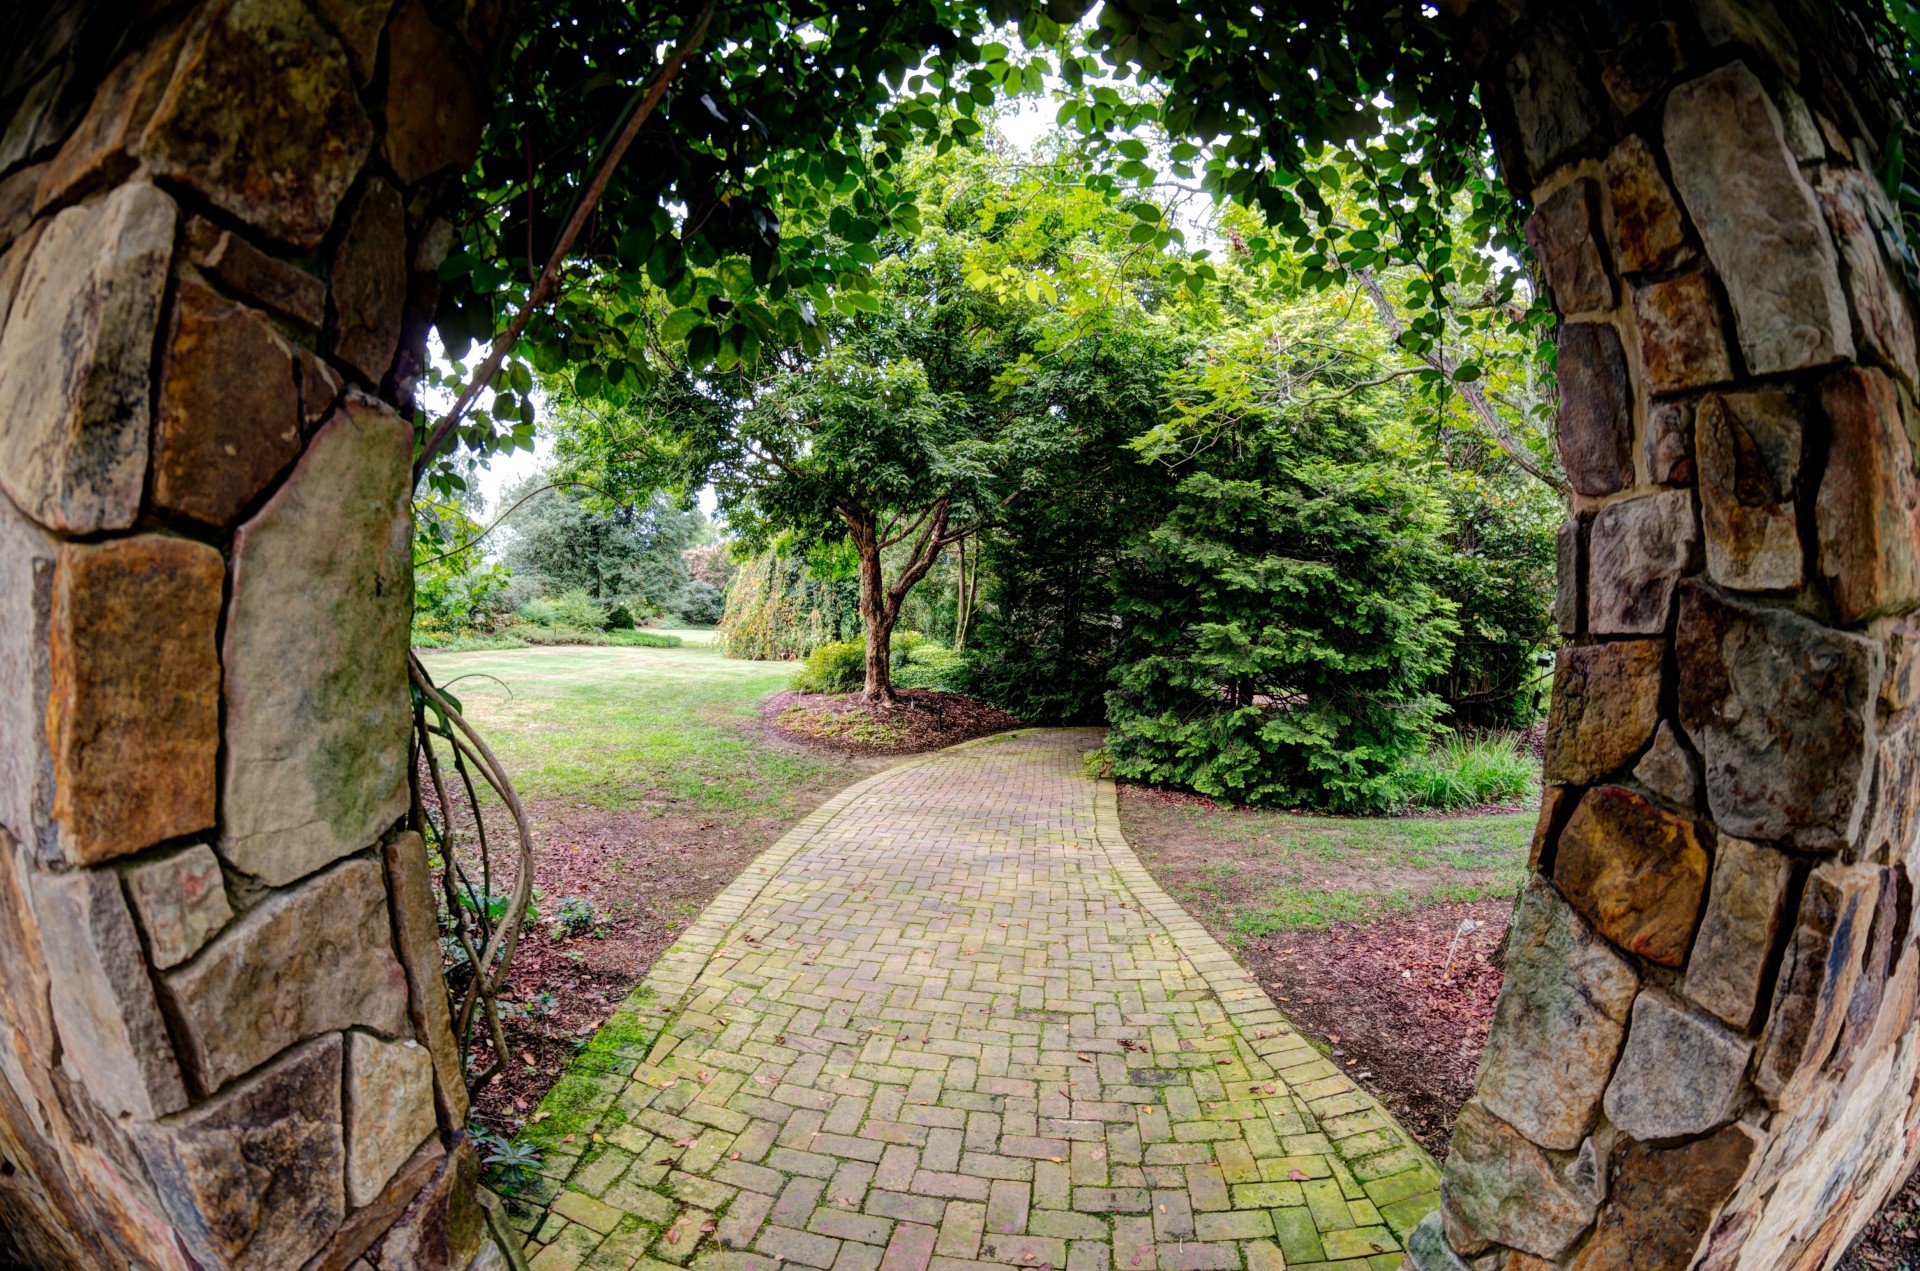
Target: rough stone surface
[[1559, 1023], [252, 1178], [417, 937], [444, 1226], [181, 901], [1566, 577], [358, 24], [317, 712], [1427, 1247], [1596, 419], [133, 704], [1892, 922], [370, 282], [262, 120], [1648, 235], [1507, 1188], [434, 114], [1863, 224], [28, 559], [1606, 701], [286, 289], [1680, 342], [1635, 871], [320, 388], [101, 148], [74, 362], [111, 1035], [1868, 507], [13, 266], [1749, 455], [1759, 683], [1638, 549], [1553, 801], [1561, 233], [1668, 768], [1816, 979], [389, 1111], [1759, 220], [300, 963], [1665, 1201], [1670, 442], [1551, 104], [1729, 961], [229, 410], [368, 1223], [1679, 1076]]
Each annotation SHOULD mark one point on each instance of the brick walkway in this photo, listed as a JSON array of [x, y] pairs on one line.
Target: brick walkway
[[949, 1022]]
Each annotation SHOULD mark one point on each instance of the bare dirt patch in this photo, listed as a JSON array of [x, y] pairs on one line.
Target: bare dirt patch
[[921, 720]]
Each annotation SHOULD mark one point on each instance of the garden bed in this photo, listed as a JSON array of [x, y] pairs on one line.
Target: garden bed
[[920, 720]]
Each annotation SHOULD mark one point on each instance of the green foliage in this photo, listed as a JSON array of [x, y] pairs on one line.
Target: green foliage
[[539, 611], [644, 640], [575, 917], [555, 633], [781, 608], [1468, 771], [576, 608], [619, 617], [571, 540], [839, 667], [1283, 624], [934, 666]]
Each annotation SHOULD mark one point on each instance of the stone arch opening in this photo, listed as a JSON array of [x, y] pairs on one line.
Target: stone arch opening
[[222, 1029]]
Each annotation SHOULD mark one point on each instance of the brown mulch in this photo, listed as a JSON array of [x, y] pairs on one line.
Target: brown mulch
[[1381, 997], [921, 720], [1891, 1242]]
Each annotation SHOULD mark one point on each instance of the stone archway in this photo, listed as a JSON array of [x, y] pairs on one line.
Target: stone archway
[[1704, 1054], [221, 1029]]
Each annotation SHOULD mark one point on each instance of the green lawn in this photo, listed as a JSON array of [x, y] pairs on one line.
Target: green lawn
[[1255, 873], [612, 728]]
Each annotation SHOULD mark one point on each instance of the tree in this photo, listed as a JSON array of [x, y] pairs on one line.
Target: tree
[[566, 539]]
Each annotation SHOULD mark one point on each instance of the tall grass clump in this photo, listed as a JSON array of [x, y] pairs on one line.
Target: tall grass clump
[[1466, 772]]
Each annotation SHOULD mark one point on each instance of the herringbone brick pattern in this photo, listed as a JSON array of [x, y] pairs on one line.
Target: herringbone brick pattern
[[949, 1023]]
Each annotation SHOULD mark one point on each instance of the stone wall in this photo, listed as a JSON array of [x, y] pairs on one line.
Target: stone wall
[[223, 1037], [1704, 1054]]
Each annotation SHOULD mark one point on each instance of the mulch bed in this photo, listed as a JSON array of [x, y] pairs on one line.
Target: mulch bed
[[1891, 1242], [921, 720], [1382, 998]]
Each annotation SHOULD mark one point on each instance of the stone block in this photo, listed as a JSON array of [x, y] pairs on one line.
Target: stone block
[[1758, 683], [1892, 923], [112, 1038], [1749, 455], [1642, 65], [13, 266], [320, 388], [368, 1223], [1606, 701], [1558, 1025], [1507, 1189], [1553, 108], [252, 1177], [389, 1111], [102, 148], [133, 699], [1596, 409], [417, 935], [1648, 234], [315, 655], [182, 902], [358, 24], [1729, 961], [1561, 233], [1635, 871], [1759, 220], [1665, 1201], [1817, 976], [1680, 1075], [28, 561], [266, 280], [229, 418], [1680, 342], [75, 362], [1637, 551], [1669, 444], [1669, 768], [1566, 578], [261, 119], [1868, 506], [1865, 227], [1553, 801], [444, 1226], [312, 960], [370, 282], [16, 203], [1427, 1247], [435, 113]]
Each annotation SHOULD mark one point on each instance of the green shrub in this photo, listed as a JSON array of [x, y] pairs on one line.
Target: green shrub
[[643, 639], [465, 643], [903, 644], [933, 666], [531, 633], [540, 612], [578, 609], [620, 618], [839, 667], [1465, 772]]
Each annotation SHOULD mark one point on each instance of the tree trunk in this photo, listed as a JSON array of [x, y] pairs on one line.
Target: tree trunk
[[875, 617]]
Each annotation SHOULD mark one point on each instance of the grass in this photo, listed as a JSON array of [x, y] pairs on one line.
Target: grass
[[1257, 873], [614, 727], [1471, 772]]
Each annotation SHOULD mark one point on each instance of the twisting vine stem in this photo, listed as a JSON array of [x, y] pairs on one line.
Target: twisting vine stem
[[485, 929]]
